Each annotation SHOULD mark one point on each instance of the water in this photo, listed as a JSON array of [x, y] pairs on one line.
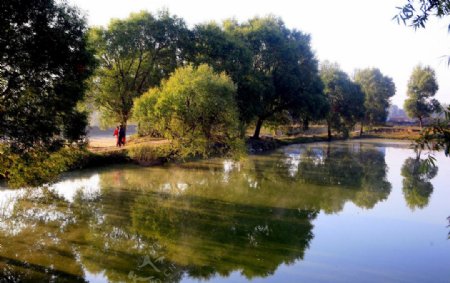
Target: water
[[359, 211]]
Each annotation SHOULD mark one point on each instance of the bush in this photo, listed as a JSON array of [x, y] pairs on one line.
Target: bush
[[38, 166], [196, 110], [150, 155]]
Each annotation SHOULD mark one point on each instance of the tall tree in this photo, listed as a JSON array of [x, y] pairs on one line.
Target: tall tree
[[284, 72], [43, 66], [378, 89], [345, 97], [225, 52], [422, 86], [134, 54]]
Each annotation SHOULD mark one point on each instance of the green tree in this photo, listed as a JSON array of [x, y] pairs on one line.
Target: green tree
[[345, 98], [225, 52], [378, 89], [422, 86], [284, 71], [437, 136], [44, 63], [133, 55], [195, 109]]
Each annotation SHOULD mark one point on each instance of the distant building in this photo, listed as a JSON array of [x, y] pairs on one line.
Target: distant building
[[398, 116]]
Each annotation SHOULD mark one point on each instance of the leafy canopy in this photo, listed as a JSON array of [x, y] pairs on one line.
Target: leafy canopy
[[225, 52], [43, 66], [283, 74], [134, 54], [345, 98], [195, 109], [422, 86], [378, 90]]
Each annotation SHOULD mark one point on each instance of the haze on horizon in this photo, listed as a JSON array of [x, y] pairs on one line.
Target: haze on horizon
[[356, 34]]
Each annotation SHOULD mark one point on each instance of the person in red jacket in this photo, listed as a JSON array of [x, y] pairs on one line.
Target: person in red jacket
[[116, 134]]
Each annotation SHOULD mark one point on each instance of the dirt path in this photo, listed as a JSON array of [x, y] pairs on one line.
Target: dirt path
[[107, 144]]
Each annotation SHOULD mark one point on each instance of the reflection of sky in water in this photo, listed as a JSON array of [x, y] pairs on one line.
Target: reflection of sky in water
[[389, 243], [89, 188], [294, 157], [99, 277], [176, 189], [8, 199], [68, 189], [228, 167]]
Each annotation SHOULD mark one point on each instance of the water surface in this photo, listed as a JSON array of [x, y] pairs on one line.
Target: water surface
[[358, 211]]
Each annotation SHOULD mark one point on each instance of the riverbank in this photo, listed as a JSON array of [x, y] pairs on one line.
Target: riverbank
[[148, 151]]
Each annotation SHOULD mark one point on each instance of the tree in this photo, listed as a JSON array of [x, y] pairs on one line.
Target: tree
[[225, 52], [345, 98], [438, 135], [283, 74], [133, 55], [195, 109], [44, 63], [378, 89], [422, 86]]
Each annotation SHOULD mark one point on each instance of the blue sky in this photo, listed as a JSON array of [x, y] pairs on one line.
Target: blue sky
[[353, 33]]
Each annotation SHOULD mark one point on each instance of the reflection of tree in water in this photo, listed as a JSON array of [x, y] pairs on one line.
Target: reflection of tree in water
[[31, 249], [206, 218], [112, 232], [344, 172], [111, 246], [417, 187], [448, 219], [212, 236], [53, 240]]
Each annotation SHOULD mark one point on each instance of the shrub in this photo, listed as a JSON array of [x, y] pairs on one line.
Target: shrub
[[150, 155], [38, 166], [196, 110]]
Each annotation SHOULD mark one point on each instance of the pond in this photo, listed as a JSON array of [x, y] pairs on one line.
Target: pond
[[356, 211]]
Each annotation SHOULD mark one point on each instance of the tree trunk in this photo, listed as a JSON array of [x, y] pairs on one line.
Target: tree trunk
[[361, 130], [258, 128], [329, 130], [305, 124], [124, 126], [124, 120], [420, 122]]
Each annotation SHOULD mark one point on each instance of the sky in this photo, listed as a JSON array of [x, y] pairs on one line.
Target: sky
[[355, 34]]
